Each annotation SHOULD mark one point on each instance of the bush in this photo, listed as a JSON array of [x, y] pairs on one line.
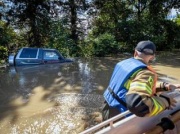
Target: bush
[[3, 53], [105, 44]]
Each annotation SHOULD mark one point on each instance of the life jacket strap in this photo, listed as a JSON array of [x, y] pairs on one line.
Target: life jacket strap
[[117, 98]]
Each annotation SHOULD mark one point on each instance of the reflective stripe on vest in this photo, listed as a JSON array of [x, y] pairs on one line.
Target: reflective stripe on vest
[[155, 79], [157, 108], [122, 72]]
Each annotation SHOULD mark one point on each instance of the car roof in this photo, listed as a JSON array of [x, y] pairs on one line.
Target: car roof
[[39, 48]]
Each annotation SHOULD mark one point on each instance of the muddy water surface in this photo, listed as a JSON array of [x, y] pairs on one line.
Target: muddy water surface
[[64, 98]]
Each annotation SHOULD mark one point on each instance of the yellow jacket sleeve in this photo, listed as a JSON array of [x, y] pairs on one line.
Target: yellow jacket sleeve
[[139, 98]]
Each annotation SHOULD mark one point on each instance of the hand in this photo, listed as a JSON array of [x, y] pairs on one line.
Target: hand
[[172, 86], [170, 99], [172, 103], [177, 89]]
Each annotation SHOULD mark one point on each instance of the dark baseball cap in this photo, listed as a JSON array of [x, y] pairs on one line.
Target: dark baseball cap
[[146, 47]]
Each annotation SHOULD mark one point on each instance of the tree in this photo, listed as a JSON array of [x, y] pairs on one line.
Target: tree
[[59, 38], [31, 16], [72, 12], [7, 39], [134, 20]]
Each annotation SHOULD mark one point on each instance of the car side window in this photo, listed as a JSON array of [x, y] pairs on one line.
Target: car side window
[[50, 55], [28, 53]]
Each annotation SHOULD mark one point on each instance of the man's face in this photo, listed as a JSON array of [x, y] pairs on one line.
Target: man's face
[[152, 58]]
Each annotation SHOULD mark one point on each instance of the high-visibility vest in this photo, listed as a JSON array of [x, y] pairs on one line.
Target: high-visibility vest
[[116, 91]]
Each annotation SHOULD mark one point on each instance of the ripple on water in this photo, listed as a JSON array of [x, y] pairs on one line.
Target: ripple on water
[[72, 114]]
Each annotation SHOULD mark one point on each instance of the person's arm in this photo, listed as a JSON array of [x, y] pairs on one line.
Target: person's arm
[[170, 86], [139, 98], [165, 86], [161, 86]]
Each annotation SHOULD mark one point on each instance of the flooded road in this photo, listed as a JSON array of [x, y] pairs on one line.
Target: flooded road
[[62, 98]]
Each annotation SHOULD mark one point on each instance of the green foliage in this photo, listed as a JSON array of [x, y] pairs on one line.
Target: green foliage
[[32, 16], [135, 21], [177, 20], [116, 26], [6, 34], [176, 29], [87, 50], [87, 47], [7, 39], [3, 53], [59, 39], [105, 44]]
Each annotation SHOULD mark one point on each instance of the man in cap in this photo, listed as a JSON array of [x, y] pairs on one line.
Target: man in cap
[[133, 86]]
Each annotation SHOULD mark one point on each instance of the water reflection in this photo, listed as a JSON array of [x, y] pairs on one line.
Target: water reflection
[[61, 98]]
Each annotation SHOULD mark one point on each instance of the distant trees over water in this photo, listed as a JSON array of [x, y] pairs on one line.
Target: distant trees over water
[[87, 28]]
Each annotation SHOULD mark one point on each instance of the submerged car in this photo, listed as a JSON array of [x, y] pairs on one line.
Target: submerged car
[[36, 56]]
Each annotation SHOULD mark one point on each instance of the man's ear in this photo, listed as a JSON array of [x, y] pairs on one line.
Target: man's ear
[[135, 53]]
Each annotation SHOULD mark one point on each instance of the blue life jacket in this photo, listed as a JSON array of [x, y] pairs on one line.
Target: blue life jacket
[[115, 93]]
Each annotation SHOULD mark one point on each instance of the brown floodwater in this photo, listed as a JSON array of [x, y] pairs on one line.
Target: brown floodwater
[[63, 98]]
